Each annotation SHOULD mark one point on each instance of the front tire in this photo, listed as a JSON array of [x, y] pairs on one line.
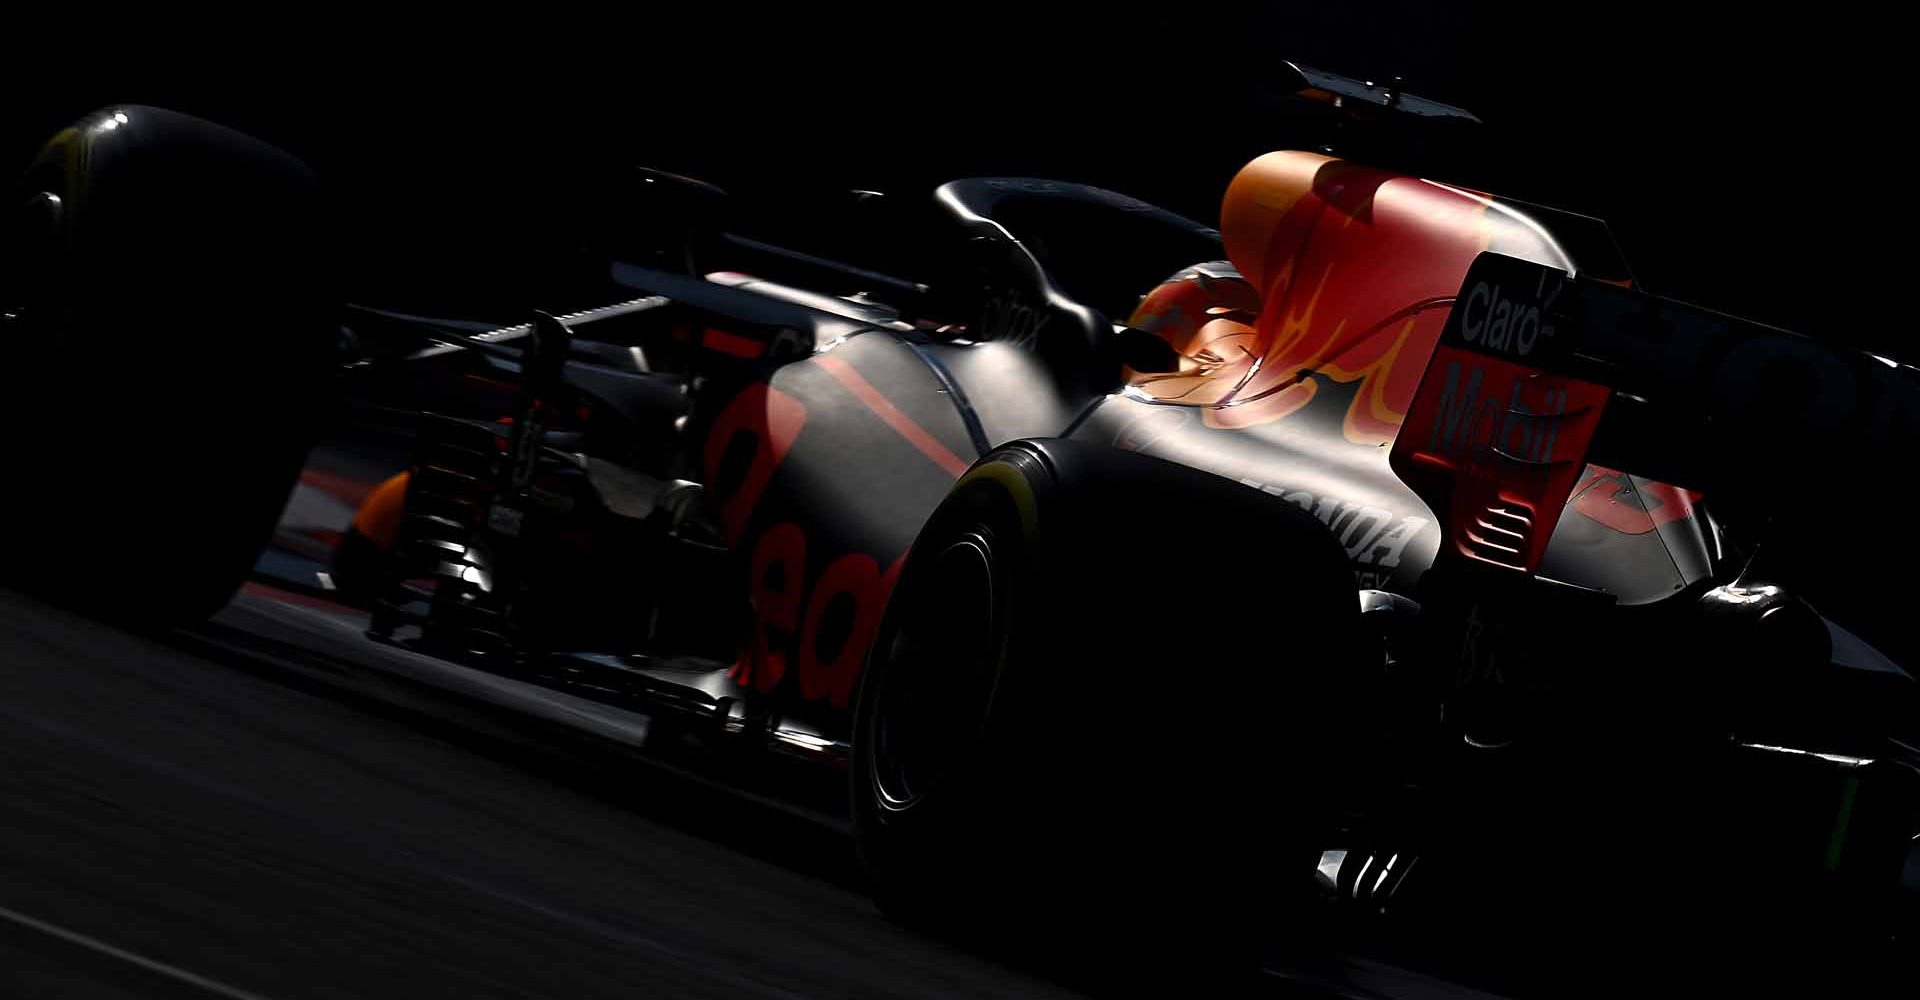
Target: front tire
[[170, 328]]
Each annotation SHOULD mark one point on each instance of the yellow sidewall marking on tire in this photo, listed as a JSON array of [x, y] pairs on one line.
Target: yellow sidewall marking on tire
[[1018, 490]]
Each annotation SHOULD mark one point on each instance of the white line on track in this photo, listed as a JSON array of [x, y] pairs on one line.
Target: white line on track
[[158, 968]]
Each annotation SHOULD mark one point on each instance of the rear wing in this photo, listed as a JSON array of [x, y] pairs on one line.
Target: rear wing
[[1353, 95], [1539, 372]]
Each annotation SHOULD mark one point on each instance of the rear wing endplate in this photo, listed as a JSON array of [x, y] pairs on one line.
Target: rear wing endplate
[[1539, 372]]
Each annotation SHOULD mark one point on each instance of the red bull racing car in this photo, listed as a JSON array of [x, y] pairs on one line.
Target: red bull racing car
[[1384, 549]]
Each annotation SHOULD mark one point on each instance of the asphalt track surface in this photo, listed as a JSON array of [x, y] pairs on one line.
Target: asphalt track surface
[[271, 806], [177, 819]]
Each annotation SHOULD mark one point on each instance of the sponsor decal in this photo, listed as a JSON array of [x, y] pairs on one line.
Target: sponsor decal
[[829, 665], [775, 585], [768, 420], [817, 627], [1628, 504], [1493, 321], [1495, 438], [821, 627], [1524, 425], [1375, 538]]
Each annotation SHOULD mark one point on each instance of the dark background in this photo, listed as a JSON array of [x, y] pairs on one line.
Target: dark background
[[1750, 160]]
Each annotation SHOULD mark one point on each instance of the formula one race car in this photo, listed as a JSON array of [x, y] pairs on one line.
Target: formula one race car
[[1393, 532]]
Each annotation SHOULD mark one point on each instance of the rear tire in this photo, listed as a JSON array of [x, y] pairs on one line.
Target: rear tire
[[1103, 711], [171, 332]]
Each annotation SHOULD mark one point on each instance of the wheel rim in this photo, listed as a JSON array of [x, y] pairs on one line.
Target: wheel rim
[[942, 664]]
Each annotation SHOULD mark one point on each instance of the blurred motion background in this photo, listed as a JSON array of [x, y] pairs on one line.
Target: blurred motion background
[[1750, 158]]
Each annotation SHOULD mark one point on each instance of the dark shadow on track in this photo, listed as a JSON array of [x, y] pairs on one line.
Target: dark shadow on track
[[287, 840]]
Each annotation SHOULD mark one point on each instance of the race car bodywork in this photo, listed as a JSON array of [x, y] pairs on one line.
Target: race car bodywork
[[1297, 359], [1285, 354], [701, 501]]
